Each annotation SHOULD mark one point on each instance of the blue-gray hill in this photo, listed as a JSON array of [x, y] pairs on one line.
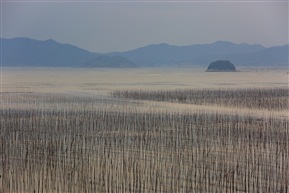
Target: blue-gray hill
[[49, 53], [24, 52], [203, 54], [170, 55]]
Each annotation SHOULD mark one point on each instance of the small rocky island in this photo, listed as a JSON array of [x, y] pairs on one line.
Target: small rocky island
[[221, 66]]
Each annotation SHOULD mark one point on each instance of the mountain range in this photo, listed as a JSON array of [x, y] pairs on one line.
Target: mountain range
[[49, 53]]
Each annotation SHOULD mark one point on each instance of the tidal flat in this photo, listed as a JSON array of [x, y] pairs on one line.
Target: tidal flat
[[144, 130]]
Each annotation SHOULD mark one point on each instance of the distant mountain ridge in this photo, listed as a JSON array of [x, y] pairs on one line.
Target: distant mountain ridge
[[109, 62], [30, 52], [49, 53], [164, 54], [202, 54]]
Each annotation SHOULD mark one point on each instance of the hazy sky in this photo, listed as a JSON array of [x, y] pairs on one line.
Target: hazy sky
[[124, 25]]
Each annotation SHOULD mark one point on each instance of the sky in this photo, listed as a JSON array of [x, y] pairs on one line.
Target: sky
[[106, 26]]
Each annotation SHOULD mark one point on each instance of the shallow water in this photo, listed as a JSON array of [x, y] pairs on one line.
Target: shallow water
[[100, 81]]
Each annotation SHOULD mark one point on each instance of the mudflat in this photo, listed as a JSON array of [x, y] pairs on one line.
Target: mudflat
[[83, 130]]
